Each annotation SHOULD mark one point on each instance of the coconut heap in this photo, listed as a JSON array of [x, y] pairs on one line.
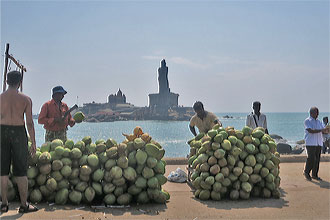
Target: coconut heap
[[229, 163], [132, 171]]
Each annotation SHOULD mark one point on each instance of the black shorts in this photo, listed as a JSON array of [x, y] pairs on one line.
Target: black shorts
[[14, 147]]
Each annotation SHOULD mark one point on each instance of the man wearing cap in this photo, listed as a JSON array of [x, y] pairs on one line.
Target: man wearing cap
[[52, 116], [256, 118]]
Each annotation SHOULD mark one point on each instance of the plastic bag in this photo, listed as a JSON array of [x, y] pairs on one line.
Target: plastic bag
[[178, 176]]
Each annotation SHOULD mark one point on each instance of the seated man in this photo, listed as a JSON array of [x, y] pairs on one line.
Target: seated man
[[203, 120]]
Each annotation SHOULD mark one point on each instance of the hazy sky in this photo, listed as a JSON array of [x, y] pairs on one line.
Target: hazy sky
[[223, 53]]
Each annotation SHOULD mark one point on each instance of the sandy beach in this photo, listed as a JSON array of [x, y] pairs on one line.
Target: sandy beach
[[300, 199]]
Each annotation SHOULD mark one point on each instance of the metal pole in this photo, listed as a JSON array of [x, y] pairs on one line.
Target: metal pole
[[5, 68]]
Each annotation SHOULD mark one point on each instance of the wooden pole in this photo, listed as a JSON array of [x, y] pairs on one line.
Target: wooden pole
[[22, 71], [5, 68]]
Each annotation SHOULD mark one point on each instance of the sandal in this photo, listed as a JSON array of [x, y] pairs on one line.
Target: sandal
[[26, 209], [4, 208]]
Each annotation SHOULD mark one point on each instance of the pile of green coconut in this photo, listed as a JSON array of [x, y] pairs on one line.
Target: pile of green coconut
[[104, 171], [235, 164]]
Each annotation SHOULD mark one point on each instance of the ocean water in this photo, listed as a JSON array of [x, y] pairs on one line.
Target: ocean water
[[173, 135]]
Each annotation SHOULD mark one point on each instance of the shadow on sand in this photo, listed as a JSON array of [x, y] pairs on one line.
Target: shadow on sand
[[323, 184], [134, 209], [228, 204]]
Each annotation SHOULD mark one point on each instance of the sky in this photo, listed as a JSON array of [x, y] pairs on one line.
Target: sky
[[226, 54]]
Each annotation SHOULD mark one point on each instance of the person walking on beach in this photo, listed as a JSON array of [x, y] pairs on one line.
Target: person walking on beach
[[314, 142], [326, 136], [203, 120], [52, 116], [14, 140], [256, 118]]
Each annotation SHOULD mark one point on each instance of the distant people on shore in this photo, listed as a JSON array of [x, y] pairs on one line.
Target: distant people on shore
[[202, 119], [256, 118], [314, 142], [52, 116], [14, 140], [326, 136]]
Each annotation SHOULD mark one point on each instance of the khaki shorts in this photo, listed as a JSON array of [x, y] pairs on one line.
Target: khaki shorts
[[52, 135]]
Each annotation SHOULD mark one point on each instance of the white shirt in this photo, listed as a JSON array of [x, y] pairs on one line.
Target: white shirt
[[313, 139], [261, 121], [325, 136]]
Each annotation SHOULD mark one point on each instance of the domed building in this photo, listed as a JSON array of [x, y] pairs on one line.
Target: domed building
[[118, 98]]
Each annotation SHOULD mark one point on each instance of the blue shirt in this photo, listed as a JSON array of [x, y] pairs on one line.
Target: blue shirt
[[313, 139]]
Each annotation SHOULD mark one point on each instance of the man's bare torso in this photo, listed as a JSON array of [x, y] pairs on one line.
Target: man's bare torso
[[13, 105]]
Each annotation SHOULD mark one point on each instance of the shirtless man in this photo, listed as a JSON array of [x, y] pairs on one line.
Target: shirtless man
[[14, 140]]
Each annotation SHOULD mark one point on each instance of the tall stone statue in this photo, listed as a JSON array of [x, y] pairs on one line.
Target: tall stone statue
[[162, 78]]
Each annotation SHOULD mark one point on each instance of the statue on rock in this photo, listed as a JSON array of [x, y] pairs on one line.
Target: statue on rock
[[162, 78]]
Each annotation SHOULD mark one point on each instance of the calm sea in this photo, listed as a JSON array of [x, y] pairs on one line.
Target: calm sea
[[174, 135]]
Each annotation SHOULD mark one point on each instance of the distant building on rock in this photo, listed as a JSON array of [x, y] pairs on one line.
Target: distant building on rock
[[118, 98], [164, 99]]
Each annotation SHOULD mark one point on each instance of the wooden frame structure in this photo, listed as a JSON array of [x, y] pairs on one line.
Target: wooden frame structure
[[18, 64]]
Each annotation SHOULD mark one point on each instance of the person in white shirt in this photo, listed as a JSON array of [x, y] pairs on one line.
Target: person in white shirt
[[326, 136], [314, 142], [256, 118]]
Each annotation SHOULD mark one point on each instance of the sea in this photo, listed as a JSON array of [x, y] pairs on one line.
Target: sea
[[173, 135]]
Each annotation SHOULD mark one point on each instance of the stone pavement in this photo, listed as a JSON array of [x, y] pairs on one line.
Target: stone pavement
[[300, 199]]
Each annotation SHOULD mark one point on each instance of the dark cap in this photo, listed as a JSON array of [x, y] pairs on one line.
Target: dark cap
[[59, 89]]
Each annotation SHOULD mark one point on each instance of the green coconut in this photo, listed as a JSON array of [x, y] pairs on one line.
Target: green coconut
[[78, 117]]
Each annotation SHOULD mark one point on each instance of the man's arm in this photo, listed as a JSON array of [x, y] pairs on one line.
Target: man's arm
[[30, 126], [43, 119], [71, 121], [192, 129], [265, 125], [217, 121], [313, 131], [247, 123], [310, 130]]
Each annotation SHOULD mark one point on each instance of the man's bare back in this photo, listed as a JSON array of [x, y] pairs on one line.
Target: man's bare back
[[13, 105]]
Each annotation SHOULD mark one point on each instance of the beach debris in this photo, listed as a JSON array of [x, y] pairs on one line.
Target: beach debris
[[79, 208], [178, 176], [71, 216], [98, 207]]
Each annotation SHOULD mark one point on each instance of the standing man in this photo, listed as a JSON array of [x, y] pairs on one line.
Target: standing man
[[256, 118], [14, 140], [314, 142], [52, 116], [326, 138], [203, 120]]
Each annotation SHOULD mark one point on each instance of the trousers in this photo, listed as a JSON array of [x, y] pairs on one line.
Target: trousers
[[313, 160]]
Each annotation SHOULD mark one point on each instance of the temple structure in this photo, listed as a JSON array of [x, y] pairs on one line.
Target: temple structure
[[164, 99], [118, 98], [162, 105]]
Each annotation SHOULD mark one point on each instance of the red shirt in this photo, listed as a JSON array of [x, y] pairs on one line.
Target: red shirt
[[51, 110]]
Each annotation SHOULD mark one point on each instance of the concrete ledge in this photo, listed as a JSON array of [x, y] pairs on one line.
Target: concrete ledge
[[301, 158], [284, 159]]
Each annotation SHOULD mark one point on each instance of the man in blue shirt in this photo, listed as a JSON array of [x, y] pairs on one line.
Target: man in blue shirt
[[314, 142]]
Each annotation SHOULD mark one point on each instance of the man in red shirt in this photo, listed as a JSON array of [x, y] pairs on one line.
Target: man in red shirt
[[52, 116]]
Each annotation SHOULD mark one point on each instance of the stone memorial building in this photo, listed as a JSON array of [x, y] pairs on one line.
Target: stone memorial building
[[164, 99]]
